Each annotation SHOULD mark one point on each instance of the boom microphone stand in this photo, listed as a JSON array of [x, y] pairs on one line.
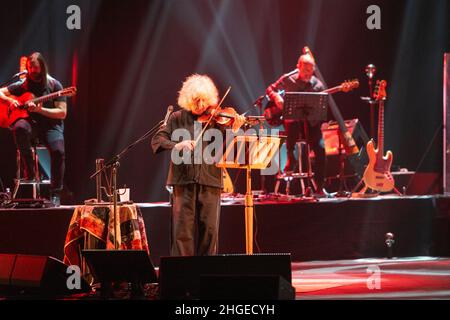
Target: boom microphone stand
[[13, 79], [370, 72], [114, 164]]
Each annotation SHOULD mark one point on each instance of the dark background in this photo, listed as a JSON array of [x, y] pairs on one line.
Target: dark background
[[130, 57]]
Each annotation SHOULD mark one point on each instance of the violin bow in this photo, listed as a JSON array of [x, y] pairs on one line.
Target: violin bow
[[210, 118]]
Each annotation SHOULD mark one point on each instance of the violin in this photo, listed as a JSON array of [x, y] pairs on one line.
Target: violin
[[225, 116]]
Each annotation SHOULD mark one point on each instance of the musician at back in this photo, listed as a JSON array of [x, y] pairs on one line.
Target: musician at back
[[302, 79]]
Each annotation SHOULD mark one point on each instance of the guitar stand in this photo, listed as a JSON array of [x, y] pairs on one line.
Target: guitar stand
[[372, 193], [363, 192], [342, 191]]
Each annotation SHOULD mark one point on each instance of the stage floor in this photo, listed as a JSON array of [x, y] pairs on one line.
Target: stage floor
[[327, 229], [400, 278], [409, 278]]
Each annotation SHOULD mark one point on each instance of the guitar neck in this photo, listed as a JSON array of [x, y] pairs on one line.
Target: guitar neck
[[380, 142], [333, 90], [47, 97]]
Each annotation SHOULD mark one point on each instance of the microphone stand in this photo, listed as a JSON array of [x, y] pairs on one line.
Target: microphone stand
[[114, 164], [10, 81], [370, 72], [258, 104], [372, 104]]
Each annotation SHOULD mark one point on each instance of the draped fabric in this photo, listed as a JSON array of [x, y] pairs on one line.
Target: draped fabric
[[98, 221]]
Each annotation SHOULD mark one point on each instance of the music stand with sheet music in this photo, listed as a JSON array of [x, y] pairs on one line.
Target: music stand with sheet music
[[311, 106], [306, 106], [250, 152]]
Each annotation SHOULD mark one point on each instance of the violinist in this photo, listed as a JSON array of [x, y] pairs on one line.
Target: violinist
[[196, 187]]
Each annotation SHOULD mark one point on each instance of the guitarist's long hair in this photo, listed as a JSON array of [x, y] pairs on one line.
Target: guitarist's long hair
[[37, 56]]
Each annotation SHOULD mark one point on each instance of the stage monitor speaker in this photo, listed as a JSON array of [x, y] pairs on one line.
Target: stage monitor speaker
[[30, 275], [132, 266], [6, 268], [181, 277]]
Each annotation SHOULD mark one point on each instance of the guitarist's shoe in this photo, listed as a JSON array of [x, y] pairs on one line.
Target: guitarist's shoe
[[56, 201], [55, 198], [321, 193]]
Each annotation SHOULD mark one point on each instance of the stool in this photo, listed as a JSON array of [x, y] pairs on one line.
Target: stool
[[37, 181], [302, 174]]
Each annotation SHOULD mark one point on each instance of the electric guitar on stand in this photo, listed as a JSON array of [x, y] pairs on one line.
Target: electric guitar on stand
[[377, 175]]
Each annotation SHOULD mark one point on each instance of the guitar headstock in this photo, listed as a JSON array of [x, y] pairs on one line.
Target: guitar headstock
[[380, 90], [349, 85], [68, 92]]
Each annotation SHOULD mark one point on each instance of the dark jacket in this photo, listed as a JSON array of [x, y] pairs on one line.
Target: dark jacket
[[182, 174]]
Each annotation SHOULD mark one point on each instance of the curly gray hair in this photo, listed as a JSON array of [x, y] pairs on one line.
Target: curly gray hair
[[197, 87]]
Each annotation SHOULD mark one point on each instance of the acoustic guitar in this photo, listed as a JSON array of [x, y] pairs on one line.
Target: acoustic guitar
[[377, 175], [10, 115]]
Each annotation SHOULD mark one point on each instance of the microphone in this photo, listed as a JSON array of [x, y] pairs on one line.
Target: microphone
[[169, 112], [370, 70], [21, 73]]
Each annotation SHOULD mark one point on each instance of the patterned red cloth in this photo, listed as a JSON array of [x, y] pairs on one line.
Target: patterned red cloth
[[94, 220]]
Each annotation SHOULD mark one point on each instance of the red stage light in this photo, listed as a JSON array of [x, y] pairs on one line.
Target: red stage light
[[23, 66]]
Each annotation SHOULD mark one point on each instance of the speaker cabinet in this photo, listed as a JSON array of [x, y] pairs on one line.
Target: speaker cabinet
[[120, 265], [6, 268], [214, 277], [35, 276]]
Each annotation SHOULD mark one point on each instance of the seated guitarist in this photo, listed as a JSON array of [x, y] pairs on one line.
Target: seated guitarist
[[44, 122], [300, 80]]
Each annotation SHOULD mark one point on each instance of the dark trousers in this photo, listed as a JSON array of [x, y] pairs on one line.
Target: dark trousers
[[195, 220], [52, 137], [295, 131]]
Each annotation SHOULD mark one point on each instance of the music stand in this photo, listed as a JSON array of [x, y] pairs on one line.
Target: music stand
[[311, 106], [250, 152]]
